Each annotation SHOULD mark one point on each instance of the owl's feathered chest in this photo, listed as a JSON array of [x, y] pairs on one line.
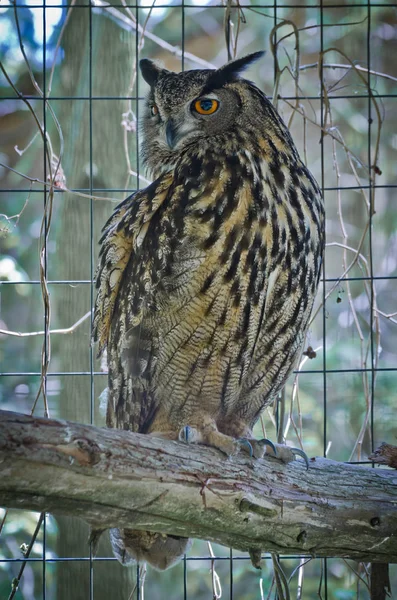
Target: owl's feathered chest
[[239, 217], [217, 250]]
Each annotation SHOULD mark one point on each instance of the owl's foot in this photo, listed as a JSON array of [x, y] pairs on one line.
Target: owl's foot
[[257, 448], [287, 454], [210, 436]]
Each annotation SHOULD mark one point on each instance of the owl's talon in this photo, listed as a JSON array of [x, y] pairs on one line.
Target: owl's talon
[[186, 434], [266, 442], [256, 447], [300, 452], [245, 443], [287, 454]]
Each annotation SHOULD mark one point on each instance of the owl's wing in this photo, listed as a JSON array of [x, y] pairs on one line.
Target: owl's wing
[[122, 237]]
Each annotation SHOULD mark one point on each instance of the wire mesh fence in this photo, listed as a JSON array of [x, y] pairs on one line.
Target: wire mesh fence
[[71, 97]]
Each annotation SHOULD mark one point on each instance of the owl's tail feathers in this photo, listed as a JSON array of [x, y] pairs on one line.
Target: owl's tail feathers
[[159, 550], [119, 549]]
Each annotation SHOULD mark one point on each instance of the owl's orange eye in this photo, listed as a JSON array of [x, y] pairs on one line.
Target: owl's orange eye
[[154, 110], [206, 106]]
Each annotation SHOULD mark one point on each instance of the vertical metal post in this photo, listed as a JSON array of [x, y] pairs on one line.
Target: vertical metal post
[[92, 258], [46, 308]]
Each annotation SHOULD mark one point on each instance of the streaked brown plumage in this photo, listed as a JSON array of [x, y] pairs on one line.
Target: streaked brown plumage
[[207, 277]]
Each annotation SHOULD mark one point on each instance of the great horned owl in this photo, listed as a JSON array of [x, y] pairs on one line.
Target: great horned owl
[[207, 277]]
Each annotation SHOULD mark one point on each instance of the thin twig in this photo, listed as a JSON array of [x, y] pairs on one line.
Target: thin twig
[[215, 581], [17, 579], [63, 190], [281, 580], [35, 333], [349, 67]]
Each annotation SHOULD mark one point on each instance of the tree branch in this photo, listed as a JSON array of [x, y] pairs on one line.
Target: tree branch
[[116, 478]]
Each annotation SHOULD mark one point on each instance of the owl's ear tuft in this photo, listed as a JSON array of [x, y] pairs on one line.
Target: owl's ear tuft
[[150, 71], [235, 67], [231, 70]]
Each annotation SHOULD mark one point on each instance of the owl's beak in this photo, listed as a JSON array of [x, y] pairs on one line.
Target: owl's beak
[[171, 133]]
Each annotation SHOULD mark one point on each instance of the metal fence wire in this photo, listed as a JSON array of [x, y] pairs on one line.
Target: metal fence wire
[[71, 96]]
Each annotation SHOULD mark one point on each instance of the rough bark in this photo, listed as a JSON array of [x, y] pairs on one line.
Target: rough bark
[[116, 478], [386, 455], [380, 581]]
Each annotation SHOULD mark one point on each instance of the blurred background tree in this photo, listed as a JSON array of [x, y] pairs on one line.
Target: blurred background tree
[[84, 58]]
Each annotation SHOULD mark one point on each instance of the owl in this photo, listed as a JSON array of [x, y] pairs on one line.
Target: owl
[[207, 277]]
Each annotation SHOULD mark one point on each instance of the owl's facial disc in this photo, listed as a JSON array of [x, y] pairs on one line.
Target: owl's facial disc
[[184, 110]]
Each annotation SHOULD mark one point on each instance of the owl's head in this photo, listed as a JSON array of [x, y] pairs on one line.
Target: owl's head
[[187, 108]]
